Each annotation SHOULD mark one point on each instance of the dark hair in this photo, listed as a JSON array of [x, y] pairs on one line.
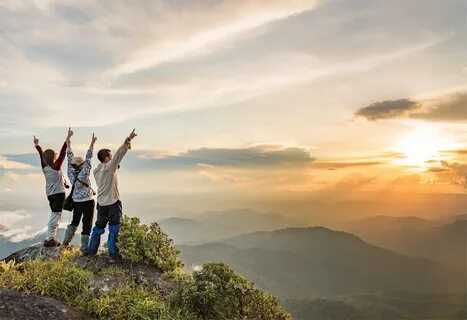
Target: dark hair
[[102, 154], [49, 157]]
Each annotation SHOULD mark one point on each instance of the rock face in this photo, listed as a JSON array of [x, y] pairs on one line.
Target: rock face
[[35, 252], [16, 305]]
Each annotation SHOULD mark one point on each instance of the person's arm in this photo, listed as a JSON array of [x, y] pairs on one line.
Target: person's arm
[[70, 169], [58, 163], [117, 158], [86, 168], [39, 150]]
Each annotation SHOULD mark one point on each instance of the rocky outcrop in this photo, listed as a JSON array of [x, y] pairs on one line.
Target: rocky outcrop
[[102, 281], [35, 252], [17, 305]]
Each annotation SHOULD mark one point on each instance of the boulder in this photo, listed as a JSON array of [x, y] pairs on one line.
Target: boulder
[[35, 252]]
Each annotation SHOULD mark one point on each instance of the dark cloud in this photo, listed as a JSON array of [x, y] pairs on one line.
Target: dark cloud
[[343, 165], [450, 108], [254, 157], [388, 109], [258, 156]]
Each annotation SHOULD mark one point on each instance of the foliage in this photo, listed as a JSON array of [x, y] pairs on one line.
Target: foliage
[[217, 292], [58, 279], [142, 243], [128, 302]]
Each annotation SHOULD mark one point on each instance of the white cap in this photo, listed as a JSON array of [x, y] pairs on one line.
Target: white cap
[[77, 161]]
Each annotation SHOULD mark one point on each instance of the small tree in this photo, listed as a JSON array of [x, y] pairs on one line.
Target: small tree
[[217, 292], [141, 243]]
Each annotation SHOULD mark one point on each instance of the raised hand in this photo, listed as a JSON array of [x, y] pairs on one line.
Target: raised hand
[[70, 133], [132, 135], [93, 139], [36, 141]]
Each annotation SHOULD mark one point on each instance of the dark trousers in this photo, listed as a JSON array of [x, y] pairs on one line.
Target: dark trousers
[[84, 210], [110, 214], [56, 201]]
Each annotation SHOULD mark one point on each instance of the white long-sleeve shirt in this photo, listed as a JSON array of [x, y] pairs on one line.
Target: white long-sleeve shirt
[[106, 177]]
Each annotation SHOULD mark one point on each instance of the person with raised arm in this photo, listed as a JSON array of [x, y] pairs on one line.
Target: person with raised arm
[[109, 206], [54, 187], [79, 172]]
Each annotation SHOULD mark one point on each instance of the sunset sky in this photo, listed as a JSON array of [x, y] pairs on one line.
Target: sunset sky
[[244, 96]]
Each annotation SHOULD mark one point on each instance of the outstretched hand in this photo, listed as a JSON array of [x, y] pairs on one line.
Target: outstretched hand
[[93, 139], [36, 141], [70, 133], [132, 135]]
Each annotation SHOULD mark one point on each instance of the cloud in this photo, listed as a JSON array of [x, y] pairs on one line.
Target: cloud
[[451, 172], [330, 165], [388, 109], [11, 218], [7, 164], [237, 18], [261, 156], [449, 108]]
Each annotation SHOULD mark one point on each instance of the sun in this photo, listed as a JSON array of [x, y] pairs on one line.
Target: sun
[[420, 146]]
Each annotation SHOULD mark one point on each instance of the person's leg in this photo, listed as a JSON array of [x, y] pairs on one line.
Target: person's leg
[[88, 214], [71, 229], [99, 229], [115, 215], [56, 206]]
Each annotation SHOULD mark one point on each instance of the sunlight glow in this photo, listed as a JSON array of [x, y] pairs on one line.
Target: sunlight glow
[[420, 146]]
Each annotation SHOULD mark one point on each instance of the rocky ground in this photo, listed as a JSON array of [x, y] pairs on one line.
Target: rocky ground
[[16, 305]]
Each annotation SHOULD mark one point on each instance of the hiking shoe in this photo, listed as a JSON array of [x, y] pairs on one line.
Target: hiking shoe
[[51, 243]]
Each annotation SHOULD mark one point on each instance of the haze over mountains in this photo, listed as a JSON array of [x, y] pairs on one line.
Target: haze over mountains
[[319, 262], [445, 242]]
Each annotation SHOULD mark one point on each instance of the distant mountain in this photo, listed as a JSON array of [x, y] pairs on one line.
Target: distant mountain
[[446, 243], [317, 262], [214, 226]]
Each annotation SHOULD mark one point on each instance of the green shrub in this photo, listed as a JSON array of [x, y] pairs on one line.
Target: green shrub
[[142, 243], [58, 279], [217, 292], [128, 302]]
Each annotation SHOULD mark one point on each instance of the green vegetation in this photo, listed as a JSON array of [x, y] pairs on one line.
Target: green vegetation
[[214, 292], [147, 243], [217, 292]]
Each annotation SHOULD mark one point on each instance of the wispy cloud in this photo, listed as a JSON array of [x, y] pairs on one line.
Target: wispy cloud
[[248, 15]]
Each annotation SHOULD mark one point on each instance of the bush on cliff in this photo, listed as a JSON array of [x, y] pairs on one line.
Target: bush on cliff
[[217, 292], [142, 243]]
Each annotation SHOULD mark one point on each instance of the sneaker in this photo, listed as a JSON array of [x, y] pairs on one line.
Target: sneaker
[[51, 243]]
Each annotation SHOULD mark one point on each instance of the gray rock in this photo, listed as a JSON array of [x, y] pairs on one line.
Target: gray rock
[[35, 252]]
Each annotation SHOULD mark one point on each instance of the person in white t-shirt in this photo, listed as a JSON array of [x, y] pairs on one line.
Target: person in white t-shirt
[[109, 206]]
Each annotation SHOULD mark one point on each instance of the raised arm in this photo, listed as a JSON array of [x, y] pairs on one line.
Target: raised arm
[[58, 163], [39, 150], [86, 169], [70, 156], [120, 153]]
